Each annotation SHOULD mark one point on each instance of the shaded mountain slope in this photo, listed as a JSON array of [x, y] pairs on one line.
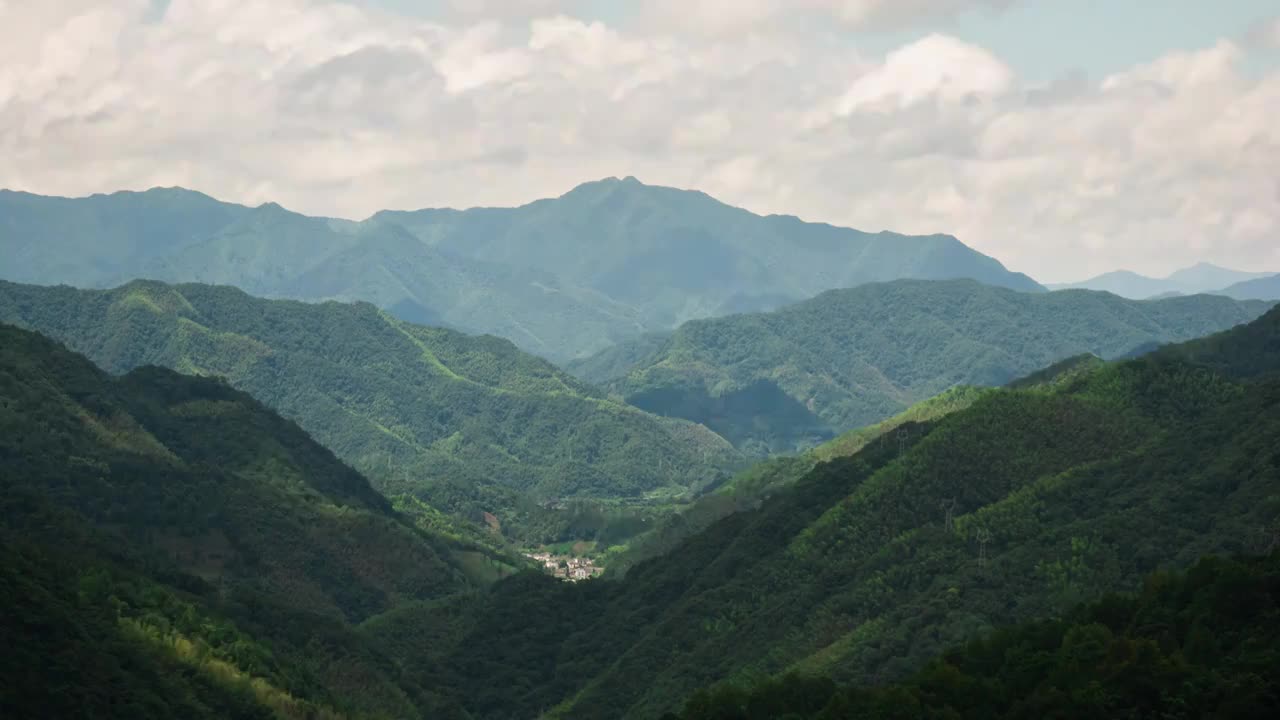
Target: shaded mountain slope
[[1056, 494], [1194, 644], [204, 471], [848, 358], [470, 424], [171, 548]]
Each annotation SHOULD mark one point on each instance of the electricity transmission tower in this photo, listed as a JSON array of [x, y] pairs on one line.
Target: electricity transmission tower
[[948, 506], [903, 435], [983, 537]]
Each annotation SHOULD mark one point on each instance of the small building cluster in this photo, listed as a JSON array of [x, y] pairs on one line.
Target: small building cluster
[[567, 567]]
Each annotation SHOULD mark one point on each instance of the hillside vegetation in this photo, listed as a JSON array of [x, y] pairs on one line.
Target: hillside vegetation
[[171, 548], [776, 381], [471, 425], [1190, 645], [751, 487], [562, 277], [1015, 508]]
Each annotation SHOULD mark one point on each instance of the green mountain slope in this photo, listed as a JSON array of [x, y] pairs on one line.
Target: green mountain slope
[[203, 471], [1056, 493], [847, 358], [1195, 644], [171, 548], [562, 277], [749, 488], [470, 424]]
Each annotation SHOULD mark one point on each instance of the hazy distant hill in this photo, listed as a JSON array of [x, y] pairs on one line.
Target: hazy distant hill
[[94, 241], [1264, 288], [1199, 278], [852, 357], [562, 277], [471, 424]]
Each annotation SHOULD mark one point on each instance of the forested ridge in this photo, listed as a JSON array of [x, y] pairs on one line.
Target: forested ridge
[[1057, 493], [470, 425], [848, 358], [1203, 643], [188, 544], [171, 548], [178, 538]]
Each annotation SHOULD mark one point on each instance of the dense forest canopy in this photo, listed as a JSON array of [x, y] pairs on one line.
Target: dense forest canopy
[[1015, 508], [169, 547], [194, 547], [848, 358], [470, 425]]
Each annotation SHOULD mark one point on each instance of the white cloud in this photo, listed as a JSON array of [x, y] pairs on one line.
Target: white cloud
[[936, 66], [342, 110]]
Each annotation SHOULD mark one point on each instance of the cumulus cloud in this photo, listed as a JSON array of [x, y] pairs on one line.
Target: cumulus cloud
[[340, 109], [935, 67]]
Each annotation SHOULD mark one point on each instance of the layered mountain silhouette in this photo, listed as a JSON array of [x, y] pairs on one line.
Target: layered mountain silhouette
[[1015, 505], [1199, 278], [562, 277], [471, 425], [847, 358], [1263, 288]]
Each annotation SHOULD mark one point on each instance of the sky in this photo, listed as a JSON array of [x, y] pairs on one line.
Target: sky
[[1064, 137]]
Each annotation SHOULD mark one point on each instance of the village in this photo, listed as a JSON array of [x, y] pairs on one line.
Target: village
[[567, 567]]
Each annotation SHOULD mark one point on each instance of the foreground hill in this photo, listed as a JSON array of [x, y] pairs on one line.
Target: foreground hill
[[1014, 508], [470, 424], [848, 358], [562, 277], [171, 548], [1196, 644]]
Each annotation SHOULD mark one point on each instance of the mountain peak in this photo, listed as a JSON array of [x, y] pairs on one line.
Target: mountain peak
[[609, 183]]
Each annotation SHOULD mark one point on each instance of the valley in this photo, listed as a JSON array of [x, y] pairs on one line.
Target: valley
[[286, 488]]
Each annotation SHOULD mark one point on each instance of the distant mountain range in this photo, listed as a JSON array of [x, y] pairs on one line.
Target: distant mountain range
[[562, 277], [1199, 278], [773, 381], [1263, 288]]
